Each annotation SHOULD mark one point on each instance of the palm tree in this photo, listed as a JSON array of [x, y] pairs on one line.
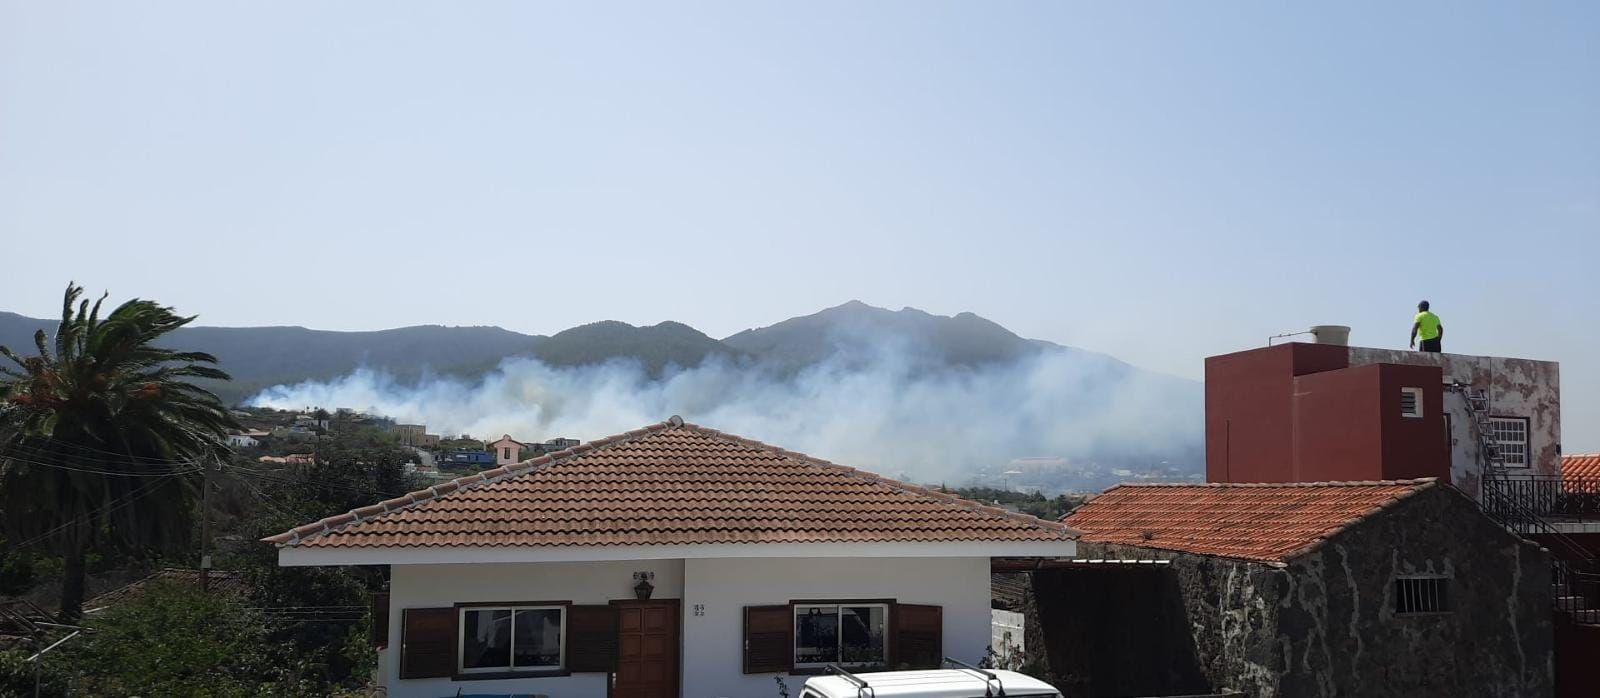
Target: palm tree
[[103, 439]]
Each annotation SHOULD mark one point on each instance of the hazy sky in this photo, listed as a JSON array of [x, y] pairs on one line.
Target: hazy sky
[[1156, 181]]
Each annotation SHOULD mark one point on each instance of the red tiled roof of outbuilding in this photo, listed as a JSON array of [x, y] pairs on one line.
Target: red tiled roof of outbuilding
[[1264, 522], [671, 483], [1581, 466]]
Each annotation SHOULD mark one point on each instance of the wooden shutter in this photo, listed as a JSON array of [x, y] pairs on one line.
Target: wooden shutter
[[427, 643], [918, 636], [768, 639], [380, 619], [591, 638]]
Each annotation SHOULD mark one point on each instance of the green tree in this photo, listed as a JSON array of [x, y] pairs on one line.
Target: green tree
[[103, 436]]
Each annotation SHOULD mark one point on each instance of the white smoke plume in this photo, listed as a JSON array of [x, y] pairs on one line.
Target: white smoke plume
[[888, 414]]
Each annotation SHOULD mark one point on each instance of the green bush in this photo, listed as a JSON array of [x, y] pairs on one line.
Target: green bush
[[171, 641], [17, 676]]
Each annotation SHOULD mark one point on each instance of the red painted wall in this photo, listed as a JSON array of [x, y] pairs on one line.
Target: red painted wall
[[1248, 418], [1413, 446], [1338, 427], [1577, 646], [1300, 413]]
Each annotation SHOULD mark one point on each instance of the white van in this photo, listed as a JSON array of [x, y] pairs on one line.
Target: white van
[[964, 682]]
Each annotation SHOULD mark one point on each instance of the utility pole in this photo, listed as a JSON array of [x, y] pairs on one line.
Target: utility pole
[[205, 526]]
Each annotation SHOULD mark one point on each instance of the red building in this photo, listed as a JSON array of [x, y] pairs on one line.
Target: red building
[[1324, 412]]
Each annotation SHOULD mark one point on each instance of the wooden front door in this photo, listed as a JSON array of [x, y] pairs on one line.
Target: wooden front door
[[647, 649]]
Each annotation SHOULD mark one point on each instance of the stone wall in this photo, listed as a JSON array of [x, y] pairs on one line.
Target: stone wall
[[1321, 626], [1496, 640]]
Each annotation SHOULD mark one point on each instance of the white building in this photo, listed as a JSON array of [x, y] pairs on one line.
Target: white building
[[506, 450], [672, 561]]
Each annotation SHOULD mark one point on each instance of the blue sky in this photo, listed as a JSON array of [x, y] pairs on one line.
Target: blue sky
[[1160, 181]]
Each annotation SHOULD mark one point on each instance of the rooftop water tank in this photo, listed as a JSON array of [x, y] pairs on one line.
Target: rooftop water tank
[[1338, 335]]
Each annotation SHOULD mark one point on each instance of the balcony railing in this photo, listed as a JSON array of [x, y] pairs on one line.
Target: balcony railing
[[1545, 496]]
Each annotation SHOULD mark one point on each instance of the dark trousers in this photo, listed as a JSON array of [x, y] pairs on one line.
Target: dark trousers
[[1432, 345]]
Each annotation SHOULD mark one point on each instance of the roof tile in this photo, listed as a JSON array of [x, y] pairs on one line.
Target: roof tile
[[1580, 466], [671, 484], [1265, 522]]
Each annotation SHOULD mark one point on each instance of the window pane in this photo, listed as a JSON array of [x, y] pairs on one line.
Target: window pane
[[538, 638], [816, 634], [486, 639], [861, 633]]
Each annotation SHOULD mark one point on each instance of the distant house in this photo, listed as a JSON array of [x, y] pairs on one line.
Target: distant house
[[291, 459], [1374, 589], [248, 439], [466, 458], [559, 444], [507, 450], [672, 560], [409, 434]]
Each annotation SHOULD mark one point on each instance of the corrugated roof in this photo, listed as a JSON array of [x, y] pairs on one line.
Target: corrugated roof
[[220, 582], [1581, 465], [1266, 522], [671, 483]]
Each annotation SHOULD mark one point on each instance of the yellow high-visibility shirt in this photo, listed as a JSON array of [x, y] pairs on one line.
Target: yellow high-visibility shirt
[[1427, 325]]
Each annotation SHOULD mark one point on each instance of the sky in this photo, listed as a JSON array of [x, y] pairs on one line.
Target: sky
[[1158, 181]]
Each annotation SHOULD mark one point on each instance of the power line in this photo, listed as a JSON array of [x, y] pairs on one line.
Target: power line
[[130, 498]]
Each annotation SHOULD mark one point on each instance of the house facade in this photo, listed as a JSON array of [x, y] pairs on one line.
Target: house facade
[[672, 561], [1315, 590], [507, 450], [1303, 412]]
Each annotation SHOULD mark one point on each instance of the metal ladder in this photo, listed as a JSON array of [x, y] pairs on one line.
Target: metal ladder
[[1494, 461]]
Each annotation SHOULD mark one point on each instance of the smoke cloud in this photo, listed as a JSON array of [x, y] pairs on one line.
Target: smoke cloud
[[888, 413]]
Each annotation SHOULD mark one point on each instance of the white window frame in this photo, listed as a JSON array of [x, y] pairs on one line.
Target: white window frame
[[1526, 444], [794, 640], [1416, 402], [510, 667]]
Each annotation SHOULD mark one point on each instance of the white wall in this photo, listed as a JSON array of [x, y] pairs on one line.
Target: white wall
[[713, 643], [433, 586]]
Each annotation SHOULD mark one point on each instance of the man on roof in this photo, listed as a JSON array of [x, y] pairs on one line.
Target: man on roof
[[1428, 327]]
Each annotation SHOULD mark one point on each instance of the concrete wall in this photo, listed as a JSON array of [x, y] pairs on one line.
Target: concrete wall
[[1517, 388], [714, 646], [714, 593]]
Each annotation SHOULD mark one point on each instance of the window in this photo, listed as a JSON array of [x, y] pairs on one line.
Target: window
[[1511, 437], [511, 638], [1411, 402], [845, 634], [505, 453], [1421, 595]]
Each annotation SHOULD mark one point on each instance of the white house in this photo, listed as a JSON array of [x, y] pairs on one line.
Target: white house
[[248, 439], [671, 561]]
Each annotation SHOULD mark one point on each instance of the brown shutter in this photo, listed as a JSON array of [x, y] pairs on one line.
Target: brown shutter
[[380, 619], [768, 639], [918, 636], [591, 638], [427, 643]]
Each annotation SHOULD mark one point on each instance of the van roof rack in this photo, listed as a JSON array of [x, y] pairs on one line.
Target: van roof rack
[[992, 687], [862, 689]]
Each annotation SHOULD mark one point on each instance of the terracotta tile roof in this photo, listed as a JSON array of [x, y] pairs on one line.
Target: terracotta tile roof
[[1266, 522], [1581, 465], [221, 582], [668, 484]]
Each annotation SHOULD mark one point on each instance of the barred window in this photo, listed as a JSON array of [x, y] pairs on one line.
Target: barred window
[[1421, 595]]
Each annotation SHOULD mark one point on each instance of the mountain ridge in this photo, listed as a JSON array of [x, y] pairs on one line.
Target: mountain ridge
[[851, 333]]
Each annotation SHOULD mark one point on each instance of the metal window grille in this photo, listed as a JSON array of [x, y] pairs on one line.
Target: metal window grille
[[1421, 595], [1511, 436]]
